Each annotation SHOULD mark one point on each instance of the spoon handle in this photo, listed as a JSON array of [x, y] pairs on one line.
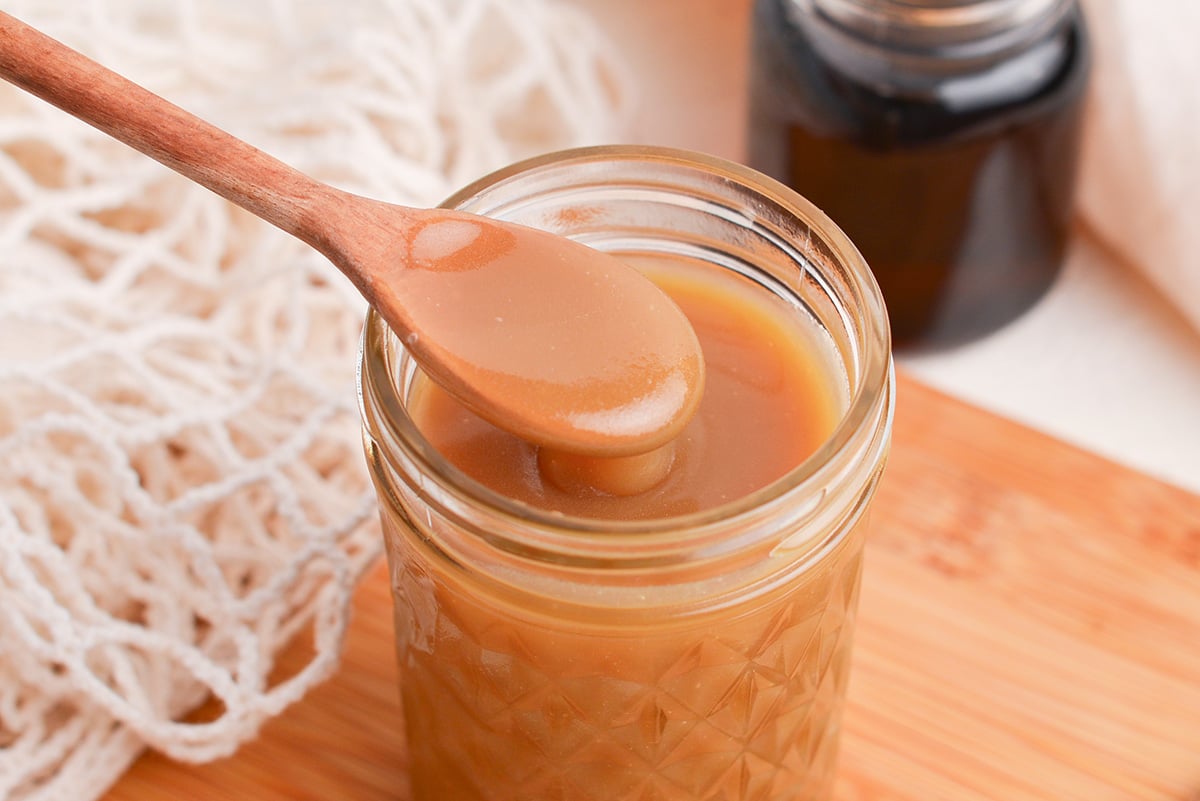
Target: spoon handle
[[261, 184]]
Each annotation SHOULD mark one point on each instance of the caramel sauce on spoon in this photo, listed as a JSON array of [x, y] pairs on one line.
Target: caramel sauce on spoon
[[558, 343]]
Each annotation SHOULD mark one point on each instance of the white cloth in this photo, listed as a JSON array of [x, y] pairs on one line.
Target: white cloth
[[1140, 182], [182, 489]]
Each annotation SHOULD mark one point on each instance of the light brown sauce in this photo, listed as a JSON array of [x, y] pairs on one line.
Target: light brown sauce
[[771, 398], [559, 344]]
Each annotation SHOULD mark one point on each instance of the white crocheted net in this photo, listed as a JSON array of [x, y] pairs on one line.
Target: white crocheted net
[[181, 489]]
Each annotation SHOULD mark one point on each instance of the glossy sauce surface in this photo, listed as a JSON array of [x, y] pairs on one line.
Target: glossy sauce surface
[[556, 342], [771, 398]]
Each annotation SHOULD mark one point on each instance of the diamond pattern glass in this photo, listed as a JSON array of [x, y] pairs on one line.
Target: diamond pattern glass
[[508, 703]]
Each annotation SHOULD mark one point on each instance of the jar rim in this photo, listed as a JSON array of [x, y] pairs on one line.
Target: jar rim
[[870, 404]]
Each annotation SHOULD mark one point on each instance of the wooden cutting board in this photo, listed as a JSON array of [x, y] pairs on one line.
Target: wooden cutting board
[[1029, 631]]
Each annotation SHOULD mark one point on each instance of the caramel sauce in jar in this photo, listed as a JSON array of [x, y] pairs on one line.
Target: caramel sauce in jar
[[773, 395], [559, 641]]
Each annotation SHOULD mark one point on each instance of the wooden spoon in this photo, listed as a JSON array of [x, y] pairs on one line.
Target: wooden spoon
[[561, 344]]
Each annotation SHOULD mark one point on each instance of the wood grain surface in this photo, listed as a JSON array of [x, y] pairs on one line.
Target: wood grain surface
[[1029, 631]]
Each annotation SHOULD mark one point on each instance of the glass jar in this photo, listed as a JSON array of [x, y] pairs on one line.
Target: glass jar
[[941, 135], [550, 657]]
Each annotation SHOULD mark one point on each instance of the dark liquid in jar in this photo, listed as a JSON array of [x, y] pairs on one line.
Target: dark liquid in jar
[[958, 196]]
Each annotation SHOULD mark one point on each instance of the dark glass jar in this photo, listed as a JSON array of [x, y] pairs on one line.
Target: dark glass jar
[[941, 135]]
